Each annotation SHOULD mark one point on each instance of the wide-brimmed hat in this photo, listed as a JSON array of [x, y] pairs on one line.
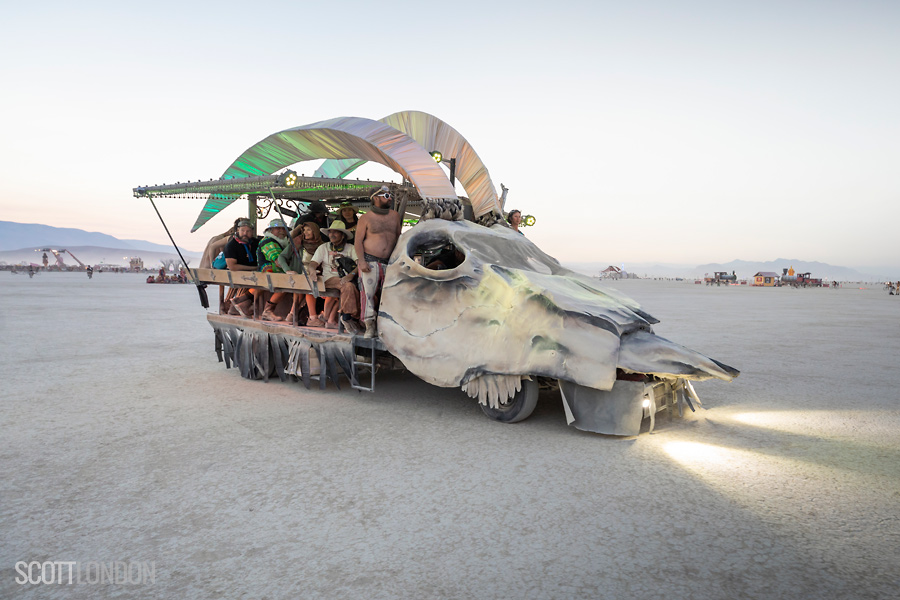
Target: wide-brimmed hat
[[318, 207], [275, 223], [347, 205], [338, 226]]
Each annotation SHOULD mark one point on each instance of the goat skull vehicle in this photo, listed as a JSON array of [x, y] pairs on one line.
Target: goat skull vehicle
[[467, 302], [505, 313]]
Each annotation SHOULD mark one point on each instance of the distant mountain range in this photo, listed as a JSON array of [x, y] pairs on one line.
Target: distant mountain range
[[18, 242], [18, 236]]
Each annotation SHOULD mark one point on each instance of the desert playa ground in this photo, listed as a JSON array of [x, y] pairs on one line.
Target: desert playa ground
[[124, 440]]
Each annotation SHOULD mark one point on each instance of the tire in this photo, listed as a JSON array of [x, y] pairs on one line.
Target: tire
[[518, 408]]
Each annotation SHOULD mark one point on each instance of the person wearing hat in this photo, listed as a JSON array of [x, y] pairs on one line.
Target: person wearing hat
[[240, 251], [240, 255], [318, 214], [349, 215], [336, 276], [376, 237], [273, 243]]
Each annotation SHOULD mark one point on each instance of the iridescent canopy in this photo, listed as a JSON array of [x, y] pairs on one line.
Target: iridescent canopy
[[341, 138], [434, 134]]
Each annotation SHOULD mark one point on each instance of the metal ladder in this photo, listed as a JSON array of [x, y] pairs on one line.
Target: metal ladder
[[370, 344]]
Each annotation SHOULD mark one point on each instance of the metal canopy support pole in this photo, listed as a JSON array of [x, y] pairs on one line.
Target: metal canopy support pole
[[251, 212]]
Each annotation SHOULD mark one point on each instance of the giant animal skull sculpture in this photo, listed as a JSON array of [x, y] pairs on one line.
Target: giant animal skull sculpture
[[510, 311]]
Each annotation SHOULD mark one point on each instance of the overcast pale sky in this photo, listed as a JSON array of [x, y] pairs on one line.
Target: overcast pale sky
[[672, 132]]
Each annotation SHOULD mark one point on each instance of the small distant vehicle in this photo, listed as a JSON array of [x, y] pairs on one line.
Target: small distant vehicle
[[721, 278], [800, 279], [807, 280]]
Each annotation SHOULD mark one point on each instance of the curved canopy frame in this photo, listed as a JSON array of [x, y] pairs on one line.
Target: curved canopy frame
[[434, 134], [341, 138]]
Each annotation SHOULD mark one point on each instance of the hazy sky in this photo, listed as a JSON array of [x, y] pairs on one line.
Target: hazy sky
[[675, 132]]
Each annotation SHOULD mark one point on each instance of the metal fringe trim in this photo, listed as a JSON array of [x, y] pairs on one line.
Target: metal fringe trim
[[259, 355]]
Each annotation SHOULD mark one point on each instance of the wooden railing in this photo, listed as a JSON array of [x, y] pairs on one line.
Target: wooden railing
[[273, 282]]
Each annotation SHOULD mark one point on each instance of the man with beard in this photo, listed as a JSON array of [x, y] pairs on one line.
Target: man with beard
[[273, 243], [240, 255], [376, 236], [240, 251]]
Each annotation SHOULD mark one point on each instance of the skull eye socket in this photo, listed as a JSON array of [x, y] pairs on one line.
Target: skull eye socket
[[437, 253]]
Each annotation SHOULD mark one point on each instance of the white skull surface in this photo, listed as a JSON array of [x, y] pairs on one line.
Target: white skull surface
[[509, 310]]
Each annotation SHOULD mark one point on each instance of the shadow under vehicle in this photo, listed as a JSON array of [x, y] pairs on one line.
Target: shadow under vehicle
[[467, 302]]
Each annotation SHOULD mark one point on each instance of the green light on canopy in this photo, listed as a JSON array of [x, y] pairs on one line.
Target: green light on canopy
[[528, 220], [437, 156]]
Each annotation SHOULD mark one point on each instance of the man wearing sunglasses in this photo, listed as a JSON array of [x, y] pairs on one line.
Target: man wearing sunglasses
[[376, 236]]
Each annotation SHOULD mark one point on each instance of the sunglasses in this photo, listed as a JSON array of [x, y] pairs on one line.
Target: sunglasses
[[386, 195]]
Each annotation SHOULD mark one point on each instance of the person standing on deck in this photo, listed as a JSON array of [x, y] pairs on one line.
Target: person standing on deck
[[376, 236]]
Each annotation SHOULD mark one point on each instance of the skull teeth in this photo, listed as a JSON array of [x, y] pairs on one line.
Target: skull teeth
[[493, 390]]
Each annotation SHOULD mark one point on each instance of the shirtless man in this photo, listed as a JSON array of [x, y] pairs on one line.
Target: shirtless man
[[376, 236]]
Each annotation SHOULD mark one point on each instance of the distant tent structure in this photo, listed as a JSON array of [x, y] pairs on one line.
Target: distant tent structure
[[610, 272], [613, 272]]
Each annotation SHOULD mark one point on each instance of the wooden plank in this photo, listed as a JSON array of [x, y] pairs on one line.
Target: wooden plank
[[219, 276], [248, 278], [273, 282], [293, 282]]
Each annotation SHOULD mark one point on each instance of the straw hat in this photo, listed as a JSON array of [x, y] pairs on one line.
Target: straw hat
[[338, 225]]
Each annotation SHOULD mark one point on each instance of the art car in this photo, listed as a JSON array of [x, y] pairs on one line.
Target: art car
[[467, 302]]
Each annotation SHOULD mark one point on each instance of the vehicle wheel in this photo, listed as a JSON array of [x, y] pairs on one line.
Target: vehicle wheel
[[519, 407]]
